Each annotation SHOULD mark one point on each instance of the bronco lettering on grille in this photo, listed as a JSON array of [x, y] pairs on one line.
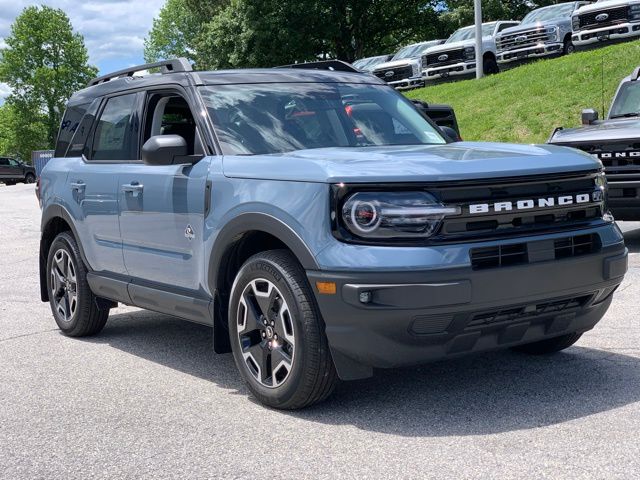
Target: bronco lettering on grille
[[544, 202]]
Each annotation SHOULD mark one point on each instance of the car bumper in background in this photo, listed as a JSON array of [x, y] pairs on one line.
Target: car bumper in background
[[616, 32], [460, 68], [536, 51], [390, 319]]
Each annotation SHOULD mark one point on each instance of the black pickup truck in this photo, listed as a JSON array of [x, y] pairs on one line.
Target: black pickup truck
[[13, 171], [616, 142]]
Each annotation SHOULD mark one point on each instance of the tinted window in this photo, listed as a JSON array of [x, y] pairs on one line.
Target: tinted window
[[627, 102], [116, 133], [276, 118], [4, 161], [68, 127], [549, 13]]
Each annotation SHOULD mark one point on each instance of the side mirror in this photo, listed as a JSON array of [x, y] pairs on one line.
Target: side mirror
[[164, 150], [589, 116], [451, 133]]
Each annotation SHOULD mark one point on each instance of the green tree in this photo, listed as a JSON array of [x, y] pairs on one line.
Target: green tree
[[20, 134], [43, 63], [174, 32]]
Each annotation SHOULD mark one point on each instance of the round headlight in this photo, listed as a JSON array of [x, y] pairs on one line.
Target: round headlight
[[365, 216]]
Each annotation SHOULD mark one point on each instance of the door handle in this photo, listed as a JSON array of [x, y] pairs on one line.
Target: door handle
[[133, 187], [78, 186]]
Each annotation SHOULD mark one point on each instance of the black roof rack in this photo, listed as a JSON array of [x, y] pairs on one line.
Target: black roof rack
[[335, 65], [166, 66]]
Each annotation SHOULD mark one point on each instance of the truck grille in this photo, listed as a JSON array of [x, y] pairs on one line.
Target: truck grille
[[494, 224], [618, 158], [453, 56], [397, 73], [498, 256], [524, 39], [616, 16]]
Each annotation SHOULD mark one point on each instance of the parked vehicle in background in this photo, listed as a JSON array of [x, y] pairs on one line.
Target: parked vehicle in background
[[370, 63], [616, 142], [606, 20], [457, 56], [404, 70], [319, 223], [13, 171], [542, 32]]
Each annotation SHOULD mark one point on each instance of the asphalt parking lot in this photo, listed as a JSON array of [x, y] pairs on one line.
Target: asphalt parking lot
[[148, 398]]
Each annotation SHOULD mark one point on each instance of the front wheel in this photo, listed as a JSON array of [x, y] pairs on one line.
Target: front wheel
[[277, 333], [568, 47], [551, 345], [490, 65], [29, 178]]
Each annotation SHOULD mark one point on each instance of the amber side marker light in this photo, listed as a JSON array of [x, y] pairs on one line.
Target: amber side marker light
[[326, 288]]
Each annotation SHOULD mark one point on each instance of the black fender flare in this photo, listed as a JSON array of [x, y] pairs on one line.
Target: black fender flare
[[263, 222], [51, 213]]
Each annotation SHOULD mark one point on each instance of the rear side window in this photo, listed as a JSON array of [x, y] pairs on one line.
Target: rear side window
[[72, 117], [116, 132]]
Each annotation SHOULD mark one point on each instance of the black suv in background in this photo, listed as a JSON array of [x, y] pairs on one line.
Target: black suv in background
[[13, 171]]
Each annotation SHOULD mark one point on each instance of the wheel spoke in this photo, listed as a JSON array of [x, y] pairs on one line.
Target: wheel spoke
[[280, 365], [251, 316], [264, 296], [284, 325], [260, 356]]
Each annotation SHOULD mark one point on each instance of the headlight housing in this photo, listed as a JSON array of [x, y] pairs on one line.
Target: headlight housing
[[469, 53], [552, 32], [575, 23], [634, 12], [388, 215]]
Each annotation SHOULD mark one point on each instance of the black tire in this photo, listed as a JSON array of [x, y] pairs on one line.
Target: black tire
[[29, 178], [490, 65], [568, 47], [87, 317], [310, 376], [551, 345]]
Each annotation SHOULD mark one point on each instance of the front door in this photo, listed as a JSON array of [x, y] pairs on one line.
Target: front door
[[162, 207]]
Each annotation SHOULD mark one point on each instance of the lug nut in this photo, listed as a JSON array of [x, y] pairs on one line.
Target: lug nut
[[264, 334], [275, 336], [273, 324]]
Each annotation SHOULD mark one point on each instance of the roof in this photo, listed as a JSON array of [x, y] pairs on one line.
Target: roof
[[222, 77]]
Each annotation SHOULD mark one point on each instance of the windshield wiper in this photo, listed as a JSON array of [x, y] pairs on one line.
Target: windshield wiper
[[626, 115]]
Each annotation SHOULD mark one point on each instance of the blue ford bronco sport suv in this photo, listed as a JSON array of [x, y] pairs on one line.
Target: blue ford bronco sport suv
[[319, 223]]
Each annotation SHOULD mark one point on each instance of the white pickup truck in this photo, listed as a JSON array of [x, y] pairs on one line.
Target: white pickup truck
[[606, 20]]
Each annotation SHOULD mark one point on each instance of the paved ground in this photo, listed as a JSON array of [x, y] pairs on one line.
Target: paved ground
[[148, 399]]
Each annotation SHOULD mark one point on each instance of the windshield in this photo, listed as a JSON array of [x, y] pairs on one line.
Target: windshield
[[469, 33], [627, 102], [252, 119], [369, 63], [549, 13], [415, 50]]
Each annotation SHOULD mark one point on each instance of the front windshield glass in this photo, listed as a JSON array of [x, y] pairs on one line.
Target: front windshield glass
[[469, 33], [253, 119], [549, 13], [369, 63], [627, 102], [406, 52]]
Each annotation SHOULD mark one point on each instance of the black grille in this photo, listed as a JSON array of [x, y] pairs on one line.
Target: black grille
[[453, 56], [621, 157], [525, 39], [517, 221], [522, 312], [521, 253], [616, 16], [398, 73]]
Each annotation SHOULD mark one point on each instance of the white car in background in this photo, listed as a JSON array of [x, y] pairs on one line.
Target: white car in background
[[404, 70], [457, 56], [606, 20]]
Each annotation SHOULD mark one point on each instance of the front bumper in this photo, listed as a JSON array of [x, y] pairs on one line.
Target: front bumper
[[407, 83], [541, 50], [460, 68], [414, 317], [616, 32]]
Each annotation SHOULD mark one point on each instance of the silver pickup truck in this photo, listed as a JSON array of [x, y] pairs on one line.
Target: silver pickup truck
[[606, 20], [542, 32]]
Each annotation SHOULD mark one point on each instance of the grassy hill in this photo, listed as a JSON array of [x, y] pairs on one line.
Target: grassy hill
[[526, 103]]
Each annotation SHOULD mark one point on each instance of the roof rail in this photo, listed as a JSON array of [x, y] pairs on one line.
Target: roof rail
[[166, 66], [635, 74], [335, 65]]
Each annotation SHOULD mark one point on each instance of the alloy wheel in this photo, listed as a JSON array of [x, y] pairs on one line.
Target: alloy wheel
[[266, 333], [64, 286]]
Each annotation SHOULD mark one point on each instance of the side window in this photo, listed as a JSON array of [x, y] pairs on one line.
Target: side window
[[170, 114], [13, 163], [4, 162], [68, 127], [116, 133]]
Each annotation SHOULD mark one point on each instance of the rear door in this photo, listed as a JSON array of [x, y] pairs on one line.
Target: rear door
[[4, 168], [101, 148], [162, 207]]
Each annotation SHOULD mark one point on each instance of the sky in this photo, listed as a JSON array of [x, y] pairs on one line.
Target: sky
[[113, 30]]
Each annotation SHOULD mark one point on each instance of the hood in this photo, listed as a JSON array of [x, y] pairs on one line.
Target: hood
[[617, 129], [410, 163], [596, 7], [396, 63], [533, 26]]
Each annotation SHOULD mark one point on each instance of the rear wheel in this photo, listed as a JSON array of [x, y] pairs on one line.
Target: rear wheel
[[551, 345], [29, 178], [277, 333], [75, 308]]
